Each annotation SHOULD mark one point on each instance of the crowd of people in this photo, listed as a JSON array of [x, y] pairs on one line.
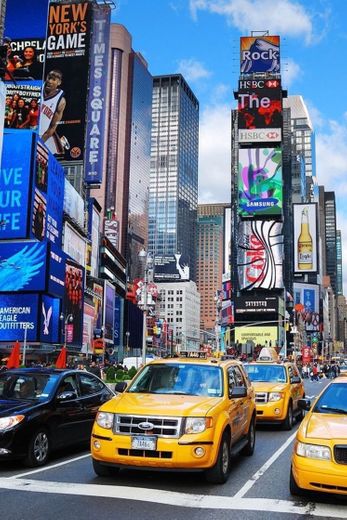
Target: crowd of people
[[317, 371], [21, 113]]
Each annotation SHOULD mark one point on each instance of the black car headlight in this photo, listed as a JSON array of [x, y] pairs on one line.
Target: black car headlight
[[6, 423]]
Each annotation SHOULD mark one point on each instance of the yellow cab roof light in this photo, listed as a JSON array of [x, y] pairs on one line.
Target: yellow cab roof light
[[268, 354]]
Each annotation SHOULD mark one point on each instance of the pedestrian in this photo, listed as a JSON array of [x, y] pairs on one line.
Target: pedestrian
[[94, 369]]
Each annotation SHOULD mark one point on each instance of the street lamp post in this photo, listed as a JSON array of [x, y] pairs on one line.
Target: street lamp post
[[146, 258], [25, 343], [127, 336]]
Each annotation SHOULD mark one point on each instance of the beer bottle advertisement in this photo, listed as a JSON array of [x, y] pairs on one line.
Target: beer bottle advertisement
[[305, 245]]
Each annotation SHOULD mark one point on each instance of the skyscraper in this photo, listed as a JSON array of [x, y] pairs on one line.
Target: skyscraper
[[173, 194], [339, 276], [330, 237]]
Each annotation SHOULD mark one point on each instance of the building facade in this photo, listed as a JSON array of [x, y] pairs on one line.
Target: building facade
[[173, 193]]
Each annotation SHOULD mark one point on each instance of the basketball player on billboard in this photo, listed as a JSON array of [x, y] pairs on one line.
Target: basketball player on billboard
[[52, 110]]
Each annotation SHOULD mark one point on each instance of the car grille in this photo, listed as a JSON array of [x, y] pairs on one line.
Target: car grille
[[145, 453], [162, 426], [261, 397], [340, 454], [328, 487]]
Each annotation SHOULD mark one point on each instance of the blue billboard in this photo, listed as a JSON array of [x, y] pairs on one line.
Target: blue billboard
[[50, 322], [17, 313], [56, 271], [15, 183], [26, 19], [95, 135], [23, 266], [47, 196]]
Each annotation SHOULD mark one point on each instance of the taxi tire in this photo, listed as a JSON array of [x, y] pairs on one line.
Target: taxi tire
[[289, 420], [103, 471], [293, 487], [248, 450], [219, 473], [38, 449]]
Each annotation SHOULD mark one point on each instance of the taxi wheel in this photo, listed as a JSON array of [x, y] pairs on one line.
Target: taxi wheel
[[103, 471], [219, 473], [249, 448], [293, 487], [38, 449], [288, 421]]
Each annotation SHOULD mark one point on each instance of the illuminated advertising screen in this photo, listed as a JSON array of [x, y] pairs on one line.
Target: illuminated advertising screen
[[88, 320], [260, 54], [260, 108], [50, 322], [56, 271], [305, 238], [17, 313], [109, 294], [173, 268], [23, 266], [260, 255], [259, 335], [64, 94], [73, 302], [227, 239], [15, 182], [117, 321], [74, 244], [96, 110], [22, 105], [260, 182], [306, 305], [256, 305]]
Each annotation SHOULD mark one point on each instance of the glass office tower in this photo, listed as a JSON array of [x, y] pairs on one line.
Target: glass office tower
[[173, 194]]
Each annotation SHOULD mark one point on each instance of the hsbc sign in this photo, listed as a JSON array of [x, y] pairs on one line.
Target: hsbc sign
[[260, 135], [246, 84]]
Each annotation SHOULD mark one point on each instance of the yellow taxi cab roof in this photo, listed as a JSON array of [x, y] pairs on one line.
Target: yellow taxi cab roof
[[268, 354], [197, 359]]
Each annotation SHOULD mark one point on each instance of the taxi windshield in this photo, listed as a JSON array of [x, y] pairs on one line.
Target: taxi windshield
[[333, 400], [266, 373], [179, 379]]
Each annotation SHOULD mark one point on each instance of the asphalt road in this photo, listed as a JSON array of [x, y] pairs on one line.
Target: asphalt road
[[257, 489]]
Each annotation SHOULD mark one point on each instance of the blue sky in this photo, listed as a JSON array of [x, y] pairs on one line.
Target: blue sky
[[200, 39]]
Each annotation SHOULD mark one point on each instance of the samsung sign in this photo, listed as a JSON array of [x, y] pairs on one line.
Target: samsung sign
[[97, 95], [256, 305]]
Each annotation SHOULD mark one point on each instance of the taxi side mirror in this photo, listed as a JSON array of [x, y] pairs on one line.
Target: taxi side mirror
[[304, 404], [237, 391], [120, 387], [295, 379]]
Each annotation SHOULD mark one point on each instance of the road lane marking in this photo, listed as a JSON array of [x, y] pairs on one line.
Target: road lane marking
[[250, 483], [46, 468], [172, 498]]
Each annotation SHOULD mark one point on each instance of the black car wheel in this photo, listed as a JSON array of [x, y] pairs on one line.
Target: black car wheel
[[249, 448], [288, 422], [38, 449], [103, 471], [219, 473]]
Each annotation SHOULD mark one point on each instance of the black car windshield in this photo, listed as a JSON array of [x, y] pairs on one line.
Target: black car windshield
[[333, 400], [179, 379], [266, 373], [26, 386]]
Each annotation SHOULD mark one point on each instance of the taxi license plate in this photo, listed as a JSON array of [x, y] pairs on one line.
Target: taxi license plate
[[142, 442]]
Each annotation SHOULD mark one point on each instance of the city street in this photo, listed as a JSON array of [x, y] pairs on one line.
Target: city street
[[257, 488]]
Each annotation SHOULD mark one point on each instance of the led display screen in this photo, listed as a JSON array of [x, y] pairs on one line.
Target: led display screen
[[305, 238], [50, 322], [260, 255], [306, 305], [171, 268], [260, 181], [23, 266], [260, 54], [17, 313], [73, 302]]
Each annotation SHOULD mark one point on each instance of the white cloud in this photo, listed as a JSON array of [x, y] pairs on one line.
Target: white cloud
[[291, 72], [331, 153], [193, 70], [215, 154], [283, 17]]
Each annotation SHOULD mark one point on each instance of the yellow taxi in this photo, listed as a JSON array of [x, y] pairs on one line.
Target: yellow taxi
[[184, 413], [278, 388], [319, 461]]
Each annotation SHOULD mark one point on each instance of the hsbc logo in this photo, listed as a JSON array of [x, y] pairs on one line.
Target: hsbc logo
[[261, 135], [259, 83]]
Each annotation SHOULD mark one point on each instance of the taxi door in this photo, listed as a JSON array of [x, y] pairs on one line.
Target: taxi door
[[235, 406], [296, 385]]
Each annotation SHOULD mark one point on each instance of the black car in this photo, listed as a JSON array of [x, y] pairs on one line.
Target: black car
[[44, 409]]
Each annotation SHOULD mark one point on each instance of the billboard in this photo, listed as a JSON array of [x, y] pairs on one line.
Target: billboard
[[109, 295], [260, 54], [22, 105], [50, 322], [306, 304], [96, 110], [74, 244], [73, 302], [73, 204], [56, 271], [17, 313], [227, 313], [259, 335], [88, 321], [305, 238], [260, 181], [260, 108], [15, 181], [260, 255], [64, 94], [227, 239], [256, 305], [171, 268], [26, 19], [23, 266]]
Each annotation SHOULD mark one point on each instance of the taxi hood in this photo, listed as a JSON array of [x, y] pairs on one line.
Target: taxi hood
[[326, 426], [161, 404], [264, 386]]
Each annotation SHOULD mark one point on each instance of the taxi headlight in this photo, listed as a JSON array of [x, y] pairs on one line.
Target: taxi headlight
[[313, 451], [6, 423], [275, 396], [105, 420], [197, 424]]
